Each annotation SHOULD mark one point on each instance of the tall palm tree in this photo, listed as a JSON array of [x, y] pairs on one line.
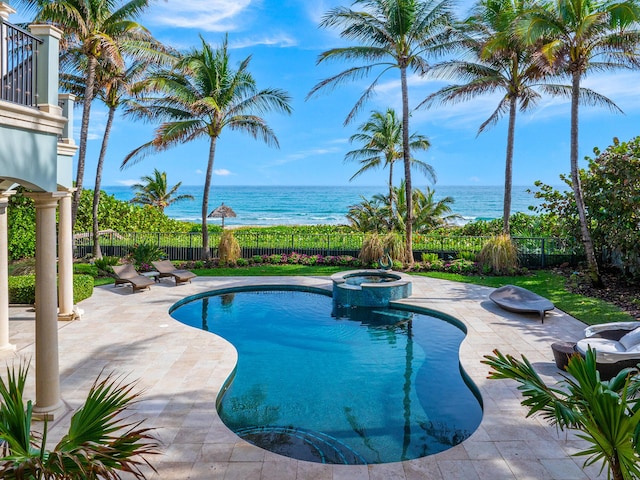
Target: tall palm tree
[[381, 137], [499, 62], [579, 36], [606, 413], [428, 212], [392, 34], [155, 191], [101, 31], [201, 97]]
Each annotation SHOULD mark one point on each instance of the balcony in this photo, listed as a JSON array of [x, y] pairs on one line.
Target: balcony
[[18, 72]]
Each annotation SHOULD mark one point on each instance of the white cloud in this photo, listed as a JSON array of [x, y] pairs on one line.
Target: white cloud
[[207, 15], [223, 172], [199, 172], [280, 39], [128, 183]]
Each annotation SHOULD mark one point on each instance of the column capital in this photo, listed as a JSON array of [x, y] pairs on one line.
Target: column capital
[[4, 199], [45, 199]]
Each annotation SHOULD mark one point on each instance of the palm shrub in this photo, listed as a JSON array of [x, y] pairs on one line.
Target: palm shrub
[[606, 413], [372, 249], [143, 254], [99, 444], [229, 248], [499, 255]]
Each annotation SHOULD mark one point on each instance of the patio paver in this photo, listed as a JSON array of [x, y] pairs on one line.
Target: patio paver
[[182, 370]]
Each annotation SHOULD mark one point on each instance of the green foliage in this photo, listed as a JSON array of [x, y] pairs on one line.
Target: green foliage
[[22, 289], [465, 255], [372, 249], [122, 216], [21, 220], [105, 263], [86, 269], [229, 248], [242, 262], [429, 257], [393, 244], [257, 259], [155, 191], [499, 255], [101, 440], [606, 413], [144, 253], [82, 287]]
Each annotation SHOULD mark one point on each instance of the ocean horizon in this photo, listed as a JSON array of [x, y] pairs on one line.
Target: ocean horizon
[[309, 205]]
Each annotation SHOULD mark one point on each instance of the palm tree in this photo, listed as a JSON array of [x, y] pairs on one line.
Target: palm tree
[[369, 215], [201, 97], [156, 192], [499, 62], [100, 442], [100, 32], [428, 212], [606, 413], [381, 137], [576, 37], [392, 34]]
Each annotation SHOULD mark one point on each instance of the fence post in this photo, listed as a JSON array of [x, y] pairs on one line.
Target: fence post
[[543, 259], [326, 252], [292, 240]]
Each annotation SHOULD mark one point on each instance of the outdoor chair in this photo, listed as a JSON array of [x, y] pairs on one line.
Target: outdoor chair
[[126, 274], [617, 346], [167, 269], [521, 300]]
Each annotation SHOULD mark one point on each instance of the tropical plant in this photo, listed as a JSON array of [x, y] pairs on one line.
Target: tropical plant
[[99, 444], [370, 215], [499, 255], [372, 249], [605, 413], [394, 247], [381, 137], [428, 212], [391, 34], [201, 97], [154, 190], [499, 61], [94, 32], [576, 37], [228, 248], [144, 253]]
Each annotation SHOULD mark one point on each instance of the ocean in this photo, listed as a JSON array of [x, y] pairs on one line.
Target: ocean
[[290, 205]]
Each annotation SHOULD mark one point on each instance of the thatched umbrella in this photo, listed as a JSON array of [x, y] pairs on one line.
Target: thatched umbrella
[[222, 212]]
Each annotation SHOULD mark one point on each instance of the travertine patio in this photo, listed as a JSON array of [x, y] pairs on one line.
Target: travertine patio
[[182, 370]]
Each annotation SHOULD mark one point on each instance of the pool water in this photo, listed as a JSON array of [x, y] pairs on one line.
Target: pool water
[[338, 385]]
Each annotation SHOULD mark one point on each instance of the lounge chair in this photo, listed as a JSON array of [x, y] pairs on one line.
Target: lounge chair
[[617, 346], [126, 274], [521, 300], [167, 269]]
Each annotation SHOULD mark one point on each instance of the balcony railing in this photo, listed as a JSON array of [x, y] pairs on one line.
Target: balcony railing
[[18, 72]]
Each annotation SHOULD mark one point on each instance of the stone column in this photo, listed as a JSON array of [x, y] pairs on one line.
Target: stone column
[[4, 274], [47, 365], [48, 67], [65, 259]]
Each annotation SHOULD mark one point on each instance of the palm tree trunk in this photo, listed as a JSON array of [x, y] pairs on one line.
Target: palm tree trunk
[[391, 196], [592, 263], [508, 170], [97, 252], [206, 254], [84, 133], [407, 165]]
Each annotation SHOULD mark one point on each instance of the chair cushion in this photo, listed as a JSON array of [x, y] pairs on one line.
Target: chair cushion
[[600, 345], [631, 339]]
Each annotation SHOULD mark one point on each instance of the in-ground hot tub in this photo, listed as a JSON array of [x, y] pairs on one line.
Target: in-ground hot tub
[[369, 288]]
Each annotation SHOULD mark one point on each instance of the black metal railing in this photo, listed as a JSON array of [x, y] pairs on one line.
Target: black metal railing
[[533, 252], [18, 72]]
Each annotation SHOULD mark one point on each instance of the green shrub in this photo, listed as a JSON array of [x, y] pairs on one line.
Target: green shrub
[[86, 269], [499, 255], [105, 263], [22, 289], [393, 244], [242, 262], [144, 253], [372, 249], [257, 259], [275, 258], [21, 220], [460, 266], [229, 248], [82, 287], [430, 257], [465, 255]]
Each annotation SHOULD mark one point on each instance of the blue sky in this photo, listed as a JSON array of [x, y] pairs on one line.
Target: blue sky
[[284, 41]]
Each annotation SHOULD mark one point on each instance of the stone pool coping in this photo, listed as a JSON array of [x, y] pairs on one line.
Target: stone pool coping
[[182, 369]]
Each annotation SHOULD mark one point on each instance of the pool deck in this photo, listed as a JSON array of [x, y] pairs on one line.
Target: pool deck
[[182, 369]]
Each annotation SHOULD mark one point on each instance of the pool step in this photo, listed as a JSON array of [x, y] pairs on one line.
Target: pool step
[[301, 444]]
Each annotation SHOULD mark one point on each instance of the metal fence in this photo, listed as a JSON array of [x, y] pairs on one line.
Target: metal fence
[[18, 50], [533, 252]]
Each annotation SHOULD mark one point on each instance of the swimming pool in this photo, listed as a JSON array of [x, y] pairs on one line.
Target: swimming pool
[[338, 385]]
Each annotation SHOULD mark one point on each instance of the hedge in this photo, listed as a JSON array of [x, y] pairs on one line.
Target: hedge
[[22, 289]]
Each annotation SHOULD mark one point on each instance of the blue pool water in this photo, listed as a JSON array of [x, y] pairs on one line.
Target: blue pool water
[[332, 385]]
